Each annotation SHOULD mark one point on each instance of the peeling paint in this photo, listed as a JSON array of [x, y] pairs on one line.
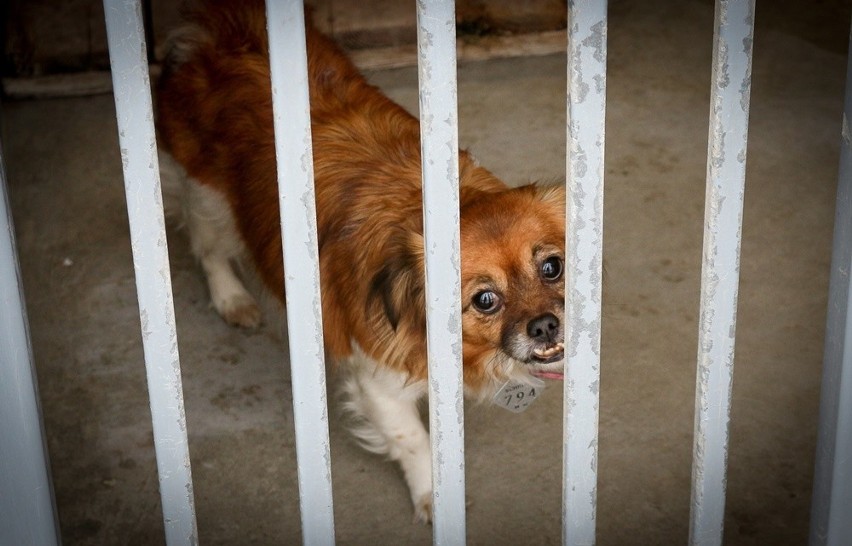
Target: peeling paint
[[721, 261], [597, 41], [584, 236], [722, 78], [302, 289], [134, 114], [745, 90], [439, 144]]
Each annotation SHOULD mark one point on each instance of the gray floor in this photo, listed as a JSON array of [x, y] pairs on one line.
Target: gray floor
[[66, 188]]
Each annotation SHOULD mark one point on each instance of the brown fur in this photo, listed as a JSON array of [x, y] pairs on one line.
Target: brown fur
[[215, 118]]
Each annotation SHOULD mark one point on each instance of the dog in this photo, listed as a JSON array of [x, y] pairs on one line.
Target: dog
[[214, 117]]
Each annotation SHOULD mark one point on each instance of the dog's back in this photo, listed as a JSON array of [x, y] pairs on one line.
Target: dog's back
[[215, 118]]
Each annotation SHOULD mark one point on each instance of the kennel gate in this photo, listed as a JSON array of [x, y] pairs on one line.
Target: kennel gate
[[27, 512]]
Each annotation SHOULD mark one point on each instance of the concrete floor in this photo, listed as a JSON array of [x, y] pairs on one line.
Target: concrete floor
[[66, 189]]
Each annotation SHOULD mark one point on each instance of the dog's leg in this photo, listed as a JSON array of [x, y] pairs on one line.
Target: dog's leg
[[215, 242], [388, 422]]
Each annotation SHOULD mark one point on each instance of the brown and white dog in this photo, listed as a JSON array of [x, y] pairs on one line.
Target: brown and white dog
[[215, 119]]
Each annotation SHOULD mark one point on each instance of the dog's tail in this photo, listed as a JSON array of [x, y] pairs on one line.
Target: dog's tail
[[223, 25], [180, 44]]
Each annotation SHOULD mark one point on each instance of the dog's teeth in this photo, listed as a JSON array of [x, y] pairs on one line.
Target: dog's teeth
[[547, 353]]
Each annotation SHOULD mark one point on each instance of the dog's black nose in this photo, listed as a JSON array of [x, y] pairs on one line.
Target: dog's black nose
[[544, 328]]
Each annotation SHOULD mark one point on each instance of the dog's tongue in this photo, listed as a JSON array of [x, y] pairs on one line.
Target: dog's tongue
[[550, 375]]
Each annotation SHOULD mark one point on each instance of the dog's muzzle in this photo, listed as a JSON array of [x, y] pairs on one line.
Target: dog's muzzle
[[547, 346], [546, 335]]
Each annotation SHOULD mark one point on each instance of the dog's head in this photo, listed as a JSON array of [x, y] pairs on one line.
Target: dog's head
[[512, 285]]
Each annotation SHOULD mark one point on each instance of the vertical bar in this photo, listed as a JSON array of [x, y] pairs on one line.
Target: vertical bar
[[832, 495], [27, 507], [132, 92], [292, 122], [436, 61], [726, 162], [586, 104]]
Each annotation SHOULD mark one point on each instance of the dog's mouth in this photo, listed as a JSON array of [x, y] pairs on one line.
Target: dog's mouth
[[548, 354], [543, 356]]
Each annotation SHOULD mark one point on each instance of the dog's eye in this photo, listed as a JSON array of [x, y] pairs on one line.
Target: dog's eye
[[551, 268], [487, 302]]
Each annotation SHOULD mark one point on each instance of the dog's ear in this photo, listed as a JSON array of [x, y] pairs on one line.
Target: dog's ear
[[552, 194], [398, 287]]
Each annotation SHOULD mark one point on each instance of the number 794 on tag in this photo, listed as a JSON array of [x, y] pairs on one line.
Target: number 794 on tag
[[516, 397]]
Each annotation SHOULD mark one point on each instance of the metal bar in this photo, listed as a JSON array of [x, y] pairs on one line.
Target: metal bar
[[436, 61], [726, 162], [832, 495], [292, 122], [27, 506], [586, 105], [151, 263]]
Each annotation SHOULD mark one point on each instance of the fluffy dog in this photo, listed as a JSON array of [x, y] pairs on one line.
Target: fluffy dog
[[215, 119]]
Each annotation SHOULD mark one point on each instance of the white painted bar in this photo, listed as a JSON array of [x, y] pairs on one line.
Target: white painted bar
[[27, 507], [132, 92], [831, 524], [436, 61], [586, 104], [293, 151], [726, 162]]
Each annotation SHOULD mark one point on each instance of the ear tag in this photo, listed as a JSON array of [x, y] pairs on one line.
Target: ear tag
[[517, 397]]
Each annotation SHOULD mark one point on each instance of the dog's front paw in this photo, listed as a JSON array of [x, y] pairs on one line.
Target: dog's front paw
[[240, 310], [423, 509]]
